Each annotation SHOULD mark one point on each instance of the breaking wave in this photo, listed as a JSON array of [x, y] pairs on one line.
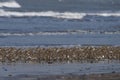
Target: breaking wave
[[57, 33], [10, 4], [63, 15], [67, 15]]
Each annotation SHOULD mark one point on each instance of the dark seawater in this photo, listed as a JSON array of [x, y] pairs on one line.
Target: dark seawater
[[59, 22]]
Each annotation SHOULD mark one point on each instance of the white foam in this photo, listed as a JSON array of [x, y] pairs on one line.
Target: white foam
[[33, 34], [10, 4], [58, 33], [67, 15], [106, 14], [63, 15]]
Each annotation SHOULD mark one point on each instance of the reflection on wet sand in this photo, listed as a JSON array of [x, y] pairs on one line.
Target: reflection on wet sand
[[108, 76]]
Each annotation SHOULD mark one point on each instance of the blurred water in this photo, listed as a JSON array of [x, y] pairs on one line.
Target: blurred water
[[59, 22]]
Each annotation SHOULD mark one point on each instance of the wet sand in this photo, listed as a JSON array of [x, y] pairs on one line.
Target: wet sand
[[109, 76]]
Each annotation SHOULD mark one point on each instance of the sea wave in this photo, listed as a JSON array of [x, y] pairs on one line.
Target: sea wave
[[10, 4], [58, 33], [53, 14], [67, 15]]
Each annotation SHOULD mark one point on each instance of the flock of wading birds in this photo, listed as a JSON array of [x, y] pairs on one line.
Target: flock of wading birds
[[58, 54]]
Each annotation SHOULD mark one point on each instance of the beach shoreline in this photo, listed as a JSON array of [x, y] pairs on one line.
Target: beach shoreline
[[60, 63]]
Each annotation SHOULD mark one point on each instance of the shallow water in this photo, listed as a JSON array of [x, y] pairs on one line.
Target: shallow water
[[18, 69]]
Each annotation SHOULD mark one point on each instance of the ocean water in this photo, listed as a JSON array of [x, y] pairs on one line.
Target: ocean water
[[59, 22]]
